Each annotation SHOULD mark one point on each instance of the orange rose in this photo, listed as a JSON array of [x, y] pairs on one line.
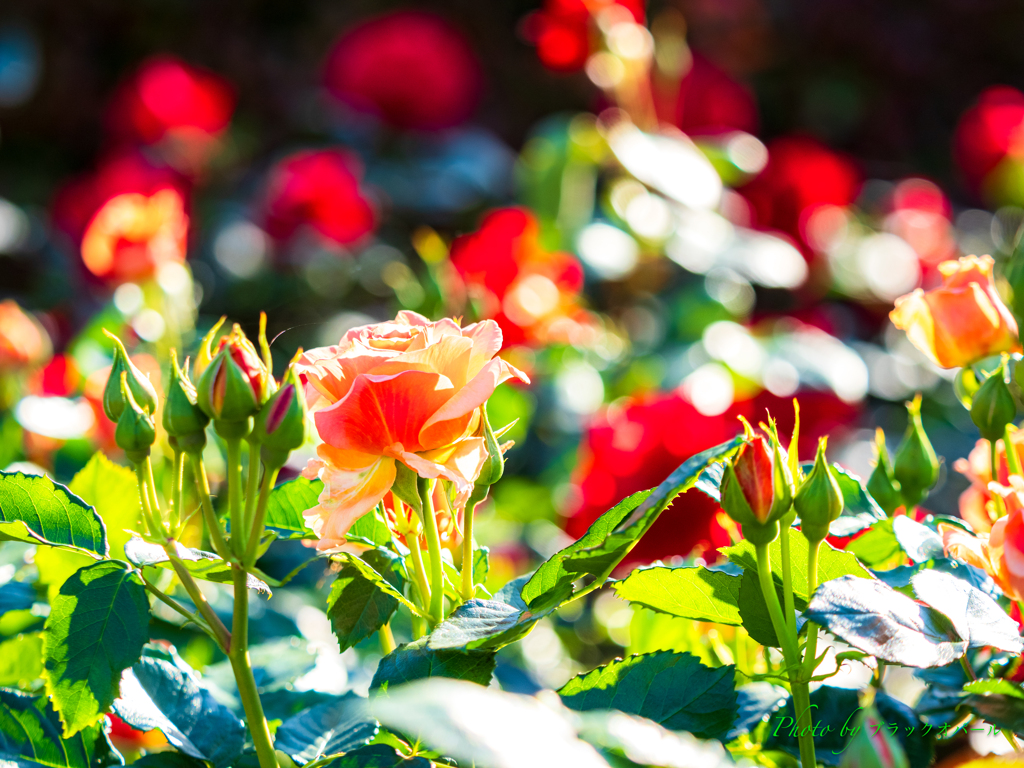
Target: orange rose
[[963, 320], [976, 506], [1000, 553], [23, 342], [408, 390], [132, 235]]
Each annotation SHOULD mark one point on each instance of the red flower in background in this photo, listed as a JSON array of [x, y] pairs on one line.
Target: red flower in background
[[410, 69], [318, 188], [635, 446], [562, 32], [802, 174], [708, 101], [989, 132], [167, 96], [530, 291]]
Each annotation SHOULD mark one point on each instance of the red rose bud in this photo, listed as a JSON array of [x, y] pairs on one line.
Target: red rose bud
[[819, 499], [883, 485], [235, 383], [756, 489], [281, 423], [138, 383], [183, 419], [136, 428], [873, 744]]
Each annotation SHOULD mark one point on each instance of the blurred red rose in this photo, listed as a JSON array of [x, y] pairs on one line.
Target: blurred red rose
[[24, 342], [166, 95], [411, 69], [708, 101], [530, 291], [802, 174], [320, 189], [562, 31], [635, 446], [988, 133]]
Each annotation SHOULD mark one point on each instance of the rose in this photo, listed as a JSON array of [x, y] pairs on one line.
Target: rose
[[407, 391], [23, 342], [976, 505], [563, 31], [963, 320], [1000, 553]]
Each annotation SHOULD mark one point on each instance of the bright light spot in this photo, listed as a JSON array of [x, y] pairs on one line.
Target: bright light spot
[[710, 389], [14, 227], [331, 331], [149, 325], [827, 228], [649, 216], [579, 388], [530, 299], [772, 262], [733, 345], [605, 70], [128, 299], [59, 418], [609, 251], [174, 278], [241, 248], [700, 238], [671, 164], [730, 290], [747, 152], [780, 377], [630, 41], [889, 265], [824, 360]]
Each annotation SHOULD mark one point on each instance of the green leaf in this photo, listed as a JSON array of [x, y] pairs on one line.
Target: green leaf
[[878, 546], [977, 618], [672, 689], [690, 593], [378, 756], [416, 660], [161, 691], [36, 510], [643, 742], [1001, 710], [329, 728], [614, 534], [97, 627], [30, 736], [286, 504], [361, 601], [487, 623], [876, 619], [406, 486], [859, 509], [370, 530], [114, 492], [920, 542], [1002, 687], [754, 610], [481, 565], [21, 660], [832, 562], [201, 564], [483, 726]]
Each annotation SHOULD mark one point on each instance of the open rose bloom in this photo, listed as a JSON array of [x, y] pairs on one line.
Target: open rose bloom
[[406, 391], [1000, 553], [976, 503], [963, 320]]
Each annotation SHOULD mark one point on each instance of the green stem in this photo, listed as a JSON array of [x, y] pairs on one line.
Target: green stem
[[791, 656], [256, 532], [147, 508], [387, 639], [434, 550], [209, 516], [220, 632], [174, 605], [252, 489], [810, 649], [467, 553], [234, 470], [242, 666], [419, 573], [153, 501], [1012, 459], [179, 491], [787, 572]]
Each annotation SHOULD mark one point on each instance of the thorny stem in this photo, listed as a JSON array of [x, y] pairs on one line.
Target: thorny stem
[[174, 605], [810, 649], [242, 666], [154, 504], [434, 550], [212, 524]]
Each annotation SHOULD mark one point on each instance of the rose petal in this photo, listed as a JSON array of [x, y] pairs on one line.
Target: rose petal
[[348, 494]]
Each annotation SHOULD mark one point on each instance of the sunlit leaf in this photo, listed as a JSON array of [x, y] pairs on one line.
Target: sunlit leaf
[[287, 503], [690, 593], [37, 510], [329, 728], [416, 660], [976, 617]]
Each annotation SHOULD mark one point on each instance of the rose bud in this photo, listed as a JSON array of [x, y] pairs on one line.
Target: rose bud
[[965, 385], [916, 466], [757, 489], [882, 485], [992, 406], [235, 383], [138, 382], [819, 500], [281, 423], [183, 419], [136, 428], [873, 745]]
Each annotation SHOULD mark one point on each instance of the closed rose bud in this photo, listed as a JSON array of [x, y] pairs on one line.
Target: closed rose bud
[[992, 406], [183, 419], [281, 423], [136, 428], [916, 466], [965, 384], [756, 489], [819, 500], [882, 485], [235, 383], [873, 744], [138, 383]]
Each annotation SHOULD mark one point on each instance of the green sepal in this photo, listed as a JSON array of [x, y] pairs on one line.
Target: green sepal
[[992, 407], [883, 485], [141, 387], [280, 426], [761, 535], [916, 466], [819, 500], [183, 417], [136, 429], [238, 400], [406, 488]]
